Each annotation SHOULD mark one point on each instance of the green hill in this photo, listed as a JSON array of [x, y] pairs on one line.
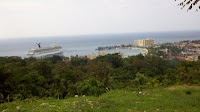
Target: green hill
[[173, 99]]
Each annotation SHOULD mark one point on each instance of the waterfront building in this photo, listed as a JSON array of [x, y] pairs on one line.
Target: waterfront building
[[196, 45], [144, 43], [92, 56], [71, 57], [164, 50], [121, 54], [198, 51], [192, 58], [101, 53], [180, 57]]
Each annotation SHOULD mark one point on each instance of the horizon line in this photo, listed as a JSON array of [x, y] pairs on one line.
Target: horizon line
[[78, 35]]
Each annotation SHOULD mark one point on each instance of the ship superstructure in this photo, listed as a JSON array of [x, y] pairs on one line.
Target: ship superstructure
[[45, 52]]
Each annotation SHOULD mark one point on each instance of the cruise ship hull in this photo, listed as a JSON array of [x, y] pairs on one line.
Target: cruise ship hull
[[48, 55], [45, 52]]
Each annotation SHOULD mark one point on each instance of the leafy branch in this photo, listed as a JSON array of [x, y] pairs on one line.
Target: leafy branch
[[190, 4]]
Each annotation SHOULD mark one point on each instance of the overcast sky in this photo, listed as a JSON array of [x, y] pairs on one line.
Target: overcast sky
[[34, 18]]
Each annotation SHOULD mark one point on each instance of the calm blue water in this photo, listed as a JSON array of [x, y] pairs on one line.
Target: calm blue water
[[85, 44]]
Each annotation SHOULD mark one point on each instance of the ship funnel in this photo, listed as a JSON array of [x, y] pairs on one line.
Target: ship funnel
[[39, 45]]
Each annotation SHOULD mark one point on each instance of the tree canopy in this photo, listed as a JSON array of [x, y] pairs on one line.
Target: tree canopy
[[53, 77]]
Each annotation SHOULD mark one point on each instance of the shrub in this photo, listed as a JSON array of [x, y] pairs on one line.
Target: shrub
[[91, 87]]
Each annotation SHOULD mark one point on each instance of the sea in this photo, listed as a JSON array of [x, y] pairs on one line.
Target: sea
[[82, 45]]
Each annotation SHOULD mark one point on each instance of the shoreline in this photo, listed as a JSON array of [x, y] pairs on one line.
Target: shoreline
[[144, 49]]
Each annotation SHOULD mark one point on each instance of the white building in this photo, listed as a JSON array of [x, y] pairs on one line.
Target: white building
[[92, 56], [144, 43], [121, 54], [101, 53]]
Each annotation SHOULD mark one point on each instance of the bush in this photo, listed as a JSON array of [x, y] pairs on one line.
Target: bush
[[91, 87]]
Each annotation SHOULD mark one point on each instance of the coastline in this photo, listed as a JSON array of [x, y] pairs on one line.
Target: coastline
[[144, 49], [84, 45]]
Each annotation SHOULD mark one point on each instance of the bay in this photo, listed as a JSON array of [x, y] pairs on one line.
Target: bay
[[83, 45]]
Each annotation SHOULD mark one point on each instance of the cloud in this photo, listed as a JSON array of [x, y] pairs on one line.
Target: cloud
[[19, 5]]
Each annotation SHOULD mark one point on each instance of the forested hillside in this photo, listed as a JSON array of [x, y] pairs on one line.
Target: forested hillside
[[53, 77]]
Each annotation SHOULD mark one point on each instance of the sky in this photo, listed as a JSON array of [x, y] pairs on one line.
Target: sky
[[36, 18]]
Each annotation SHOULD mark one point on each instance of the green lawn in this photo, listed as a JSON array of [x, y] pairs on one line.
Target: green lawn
[[174, 99]]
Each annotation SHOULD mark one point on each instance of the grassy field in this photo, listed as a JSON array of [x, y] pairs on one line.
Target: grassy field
[[173, 99]]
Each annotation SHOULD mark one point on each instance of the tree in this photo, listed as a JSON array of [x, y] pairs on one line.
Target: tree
[[140, 79], [190, 3], [63, 81], [114, 59], [98, 70], [43, 67], [55, 59]]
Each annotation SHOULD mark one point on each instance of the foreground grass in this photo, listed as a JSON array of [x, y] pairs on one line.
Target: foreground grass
[[174, 99]]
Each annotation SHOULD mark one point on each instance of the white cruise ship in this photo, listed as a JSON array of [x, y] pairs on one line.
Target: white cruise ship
[[45, 52]]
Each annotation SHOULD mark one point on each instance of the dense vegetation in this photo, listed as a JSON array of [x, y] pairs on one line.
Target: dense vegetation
[[27, 78]]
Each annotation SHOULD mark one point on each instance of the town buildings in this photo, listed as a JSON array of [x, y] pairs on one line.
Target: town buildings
[[93, 56], [188, 50]]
